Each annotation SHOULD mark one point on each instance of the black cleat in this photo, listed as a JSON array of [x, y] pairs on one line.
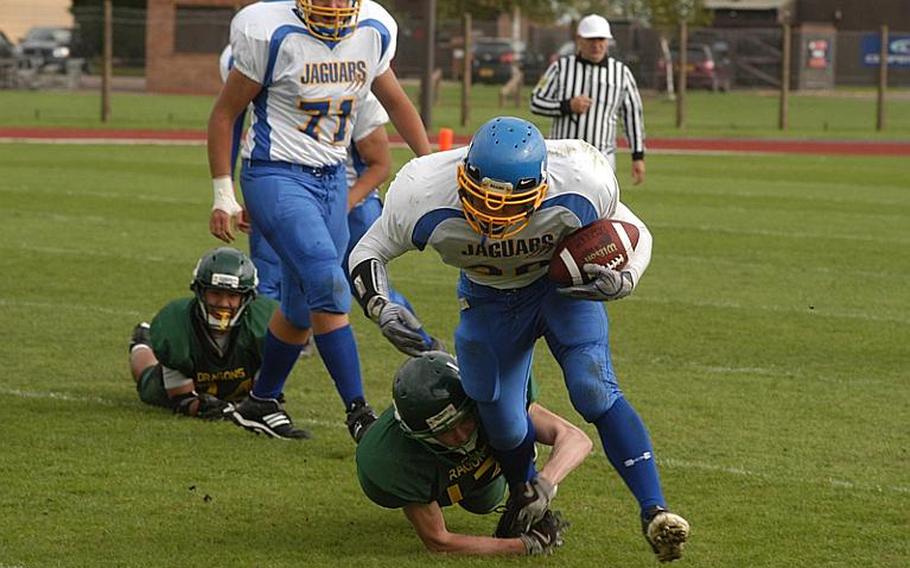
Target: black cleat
[[141, 335], [266, 416], [666, 532], [359, 419]]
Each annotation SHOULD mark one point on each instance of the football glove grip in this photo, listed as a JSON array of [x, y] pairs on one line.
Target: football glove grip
[[401, 328], [541, 492], [546, 535], [606, 285]]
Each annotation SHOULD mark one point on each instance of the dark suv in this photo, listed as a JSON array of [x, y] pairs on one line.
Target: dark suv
[[493, 61], [7, 49], [47, 49]]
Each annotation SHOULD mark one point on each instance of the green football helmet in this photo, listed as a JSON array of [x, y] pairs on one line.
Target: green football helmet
[[428, 397], [229, 270]]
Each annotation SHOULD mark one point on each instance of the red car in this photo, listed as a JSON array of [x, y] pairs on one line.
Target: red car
[[702, 71]]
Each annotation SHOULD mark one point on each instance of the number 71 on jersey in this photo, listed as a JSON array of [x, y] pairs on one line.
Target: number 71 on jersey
[[329, 109]]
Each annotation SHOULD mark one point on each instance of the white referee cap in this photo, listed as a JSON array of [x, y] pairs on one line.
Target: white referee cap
[[594, 26]]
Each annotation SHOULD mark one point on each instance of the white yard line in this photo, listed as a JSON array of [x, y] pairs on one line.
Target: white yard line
[[39, 395], [664, 462], [125, 196], [799, 310], [673, 463], [67, 307], [89, 252]]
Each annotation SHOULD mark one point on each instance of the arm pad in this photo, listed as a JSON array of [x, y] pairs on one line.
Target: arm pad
[[371, 286]]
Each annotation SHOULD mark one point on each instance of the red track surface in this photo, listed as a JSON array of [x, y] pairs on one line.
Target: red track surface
[[752, 146]]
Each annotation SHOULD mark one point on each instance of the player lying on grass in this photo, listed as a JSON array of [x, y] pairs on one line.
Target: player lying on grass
[[201, 353], [429, 451]]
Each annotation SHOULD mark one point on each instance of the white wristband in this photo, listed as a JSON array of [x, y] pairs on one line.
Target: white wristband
[[224, 199]]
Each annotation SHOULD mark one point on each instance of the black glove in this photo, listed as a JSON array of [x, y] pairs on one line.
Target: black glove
[[535, 500], [212, 408], [545, 535]]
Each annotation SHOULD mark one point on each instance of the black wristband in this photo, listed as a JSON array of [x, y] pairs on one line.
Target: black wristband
[[638, 155]]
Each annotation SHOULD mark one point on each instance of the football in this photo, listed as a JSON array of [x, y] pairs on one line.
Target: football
[[607, 242]]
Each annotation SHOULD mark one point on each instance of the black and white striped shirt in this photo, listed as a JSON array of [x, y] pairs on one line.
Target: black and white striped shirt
[[612, 90]]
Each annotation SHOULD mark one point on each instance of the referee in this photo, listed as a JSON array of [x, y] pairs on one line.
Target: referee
[[586, 92]]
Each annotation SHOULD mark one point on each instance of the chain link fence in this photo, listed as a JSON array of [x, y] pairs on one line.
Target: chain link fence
[[718, 59]]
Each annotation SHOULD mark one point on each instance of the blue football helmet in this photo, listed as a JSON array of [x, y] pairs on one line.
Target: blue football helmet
[[328, 22], [503, 178]]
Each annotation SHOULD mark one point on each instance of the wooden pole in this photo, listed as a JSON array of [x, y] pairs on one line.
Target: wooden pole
[[107, 65], [681, 81], [783, 119], [882, 80], [426, 81], [466, 70]]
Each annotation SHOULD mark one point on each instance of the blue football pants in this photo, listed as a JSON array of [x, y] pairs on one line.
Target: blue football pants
[[303, 218]]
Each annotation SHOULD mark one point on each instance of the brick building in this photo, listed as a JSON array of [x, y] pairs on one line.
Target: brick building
[[183, 41]]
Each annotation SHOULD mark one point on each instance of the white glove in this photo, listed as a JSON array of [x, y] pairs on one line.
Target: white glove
[[607, 285]]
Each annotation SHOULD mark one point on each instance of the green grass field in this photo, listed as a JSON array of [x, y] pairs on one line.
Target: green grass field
[[840, 115], [767, 349]]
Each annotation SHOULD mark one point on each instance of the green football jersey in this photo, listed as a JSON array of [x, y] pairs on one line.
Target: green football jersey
[[396, 470], [180, 340]]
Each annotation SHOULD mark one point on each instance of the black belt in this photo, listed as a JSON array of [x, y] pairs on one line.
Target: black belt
[[315, 171]]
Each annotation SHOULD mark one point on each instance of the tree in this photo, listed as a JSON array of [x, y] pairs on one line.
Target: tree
[[668, 14]]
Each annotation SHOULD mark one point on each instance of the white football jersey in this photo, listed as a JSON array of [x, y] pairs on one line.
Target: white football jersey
[[312, 89], [422, 209]]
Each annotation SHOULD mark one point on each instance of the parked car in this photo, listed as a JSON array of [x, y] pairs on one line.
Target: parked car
[[493, 61], [47, 49], [702, 70], [7, 48]]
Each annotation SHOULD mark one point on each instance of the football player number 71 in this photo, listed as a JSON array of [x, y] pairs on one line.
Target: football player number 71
[[319, 109]]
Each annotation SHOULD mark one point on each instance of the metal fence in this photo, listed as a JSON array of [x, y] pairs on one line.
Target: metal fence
[[740, 58]]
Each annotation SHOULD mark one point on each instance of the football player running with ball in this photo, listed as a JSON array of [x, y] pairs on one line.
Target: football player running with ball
[[428, 451], [201, 354], [496, 210], [305, 66]]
